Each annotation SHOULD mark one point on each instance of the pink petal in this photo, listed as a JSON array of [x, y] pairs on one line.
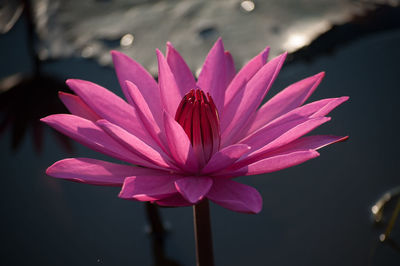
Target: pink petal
[[89, 134], [244, 75], [225, 157], [148, 188], [94, 172], [151, 123], [272, 131], [280, 162], [287, 100], [235, 196], [315, 142], [330, 106], [128, 69], [77, 107], [183, 76], [230, 68], [109, 106], [313, 109], [193, 188], [212, 77], [243, 105], [288, 120], [171, 95], [289, 136], [176, 200], [179, 144], [136, 146], [304, 144]]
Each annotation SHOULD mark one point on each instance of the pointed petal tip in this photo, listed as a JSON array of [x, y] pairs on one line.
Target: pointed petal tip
[[314, 154], [46, 119], [186, 196], [265, 54], [52, 169], [170, 51], [126, 196], [62, 95], [72, 83], [49, 170], [318, 77], [130, 84], [219, 43], [160, 56], [118, 57], [344, 98], [193, 189], [122, 193], [341, 100], [194, 200], [255, 209], [283, 56], [116, 53], [69, 82], [342, 139], [278, 60], [323, 119]]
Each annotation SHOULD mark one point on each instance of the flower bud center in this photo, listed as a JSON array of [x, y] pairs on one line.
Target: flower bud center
[[198, 116]]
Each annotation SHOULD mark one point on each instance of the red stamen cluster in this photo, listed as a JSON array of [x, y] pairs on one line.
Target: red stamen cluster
[[198, 116]]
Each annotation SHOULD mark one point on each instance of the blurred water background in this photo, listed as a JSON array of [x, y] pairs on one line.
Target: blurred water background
[[318, 213]]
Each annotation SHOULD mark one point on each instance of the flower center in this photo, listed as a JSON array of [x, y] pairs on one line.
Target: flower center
[[198, 116]]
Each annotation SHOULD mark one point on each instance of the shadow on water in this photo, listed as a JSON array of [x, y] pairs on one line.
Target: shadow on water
[[158, 234], [25, 98]]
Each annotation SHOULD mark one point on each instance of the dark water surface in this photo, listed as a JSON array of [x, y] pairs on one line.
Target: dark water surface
[[317, 213]]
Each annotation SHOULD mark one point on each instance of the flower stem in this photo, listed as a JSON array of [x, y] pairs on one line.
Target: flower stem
[[202, 233]]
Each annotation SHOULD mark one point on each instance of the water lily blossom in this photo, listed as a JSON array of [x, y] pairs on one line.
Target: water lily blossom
[[186, 140]]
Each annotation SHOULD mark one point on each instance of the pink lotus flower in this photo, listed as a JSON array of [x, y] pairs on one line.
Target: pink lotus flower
[[191, 139]]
